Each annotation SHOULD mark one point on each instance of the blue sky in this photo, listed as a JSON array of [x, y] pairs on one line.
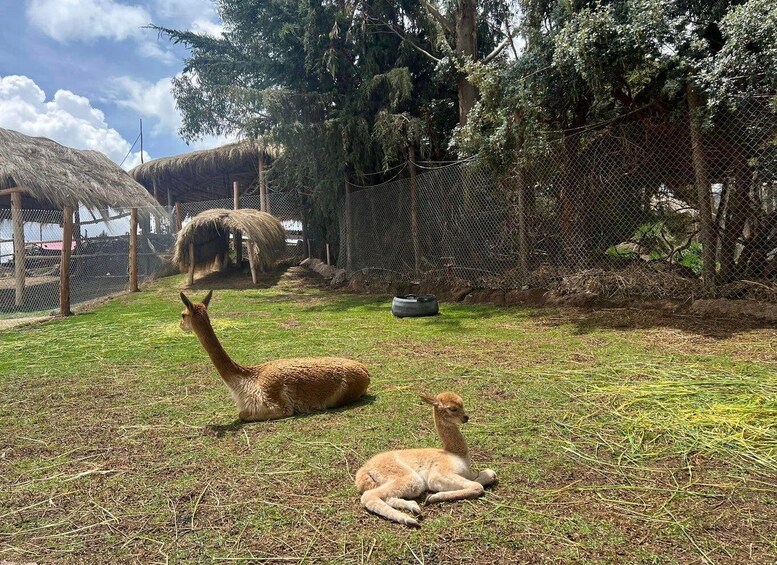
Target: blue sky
[[84, 72]]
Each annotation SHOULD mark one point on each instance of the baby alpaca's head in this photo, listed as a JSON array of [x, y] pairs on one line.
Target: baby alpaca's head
[[448, 406], [194, 315]]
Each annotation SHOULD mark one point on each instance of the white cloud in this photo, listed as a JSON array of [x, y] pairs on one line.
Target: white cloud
[[68, 119], [90, 20], [155, 101], [87, 20], [148, 99]]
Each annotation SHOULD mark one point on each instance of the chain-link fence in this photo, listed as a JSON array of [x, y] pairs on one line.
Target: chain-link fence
[[100, 254], [613, 206], [99, 261]]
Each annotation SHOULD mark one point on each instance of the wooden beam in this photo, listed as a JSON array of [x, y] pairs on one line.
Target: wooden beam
[[14, 190], [64, 264], [18, 244], [133, 251]]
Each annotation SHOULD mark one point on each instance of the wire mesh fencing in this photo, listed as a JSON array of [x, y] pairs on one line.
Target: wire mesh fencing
[[99, 258], [616, 209]]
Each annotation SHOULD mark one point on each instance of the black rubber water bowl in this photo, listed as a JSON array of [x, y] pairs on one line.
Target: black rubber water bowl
[[414, 306]]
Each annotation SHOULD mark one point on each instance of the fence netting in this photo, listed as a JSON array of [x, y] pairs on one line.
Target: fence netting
[[610, 209], [99, 264]]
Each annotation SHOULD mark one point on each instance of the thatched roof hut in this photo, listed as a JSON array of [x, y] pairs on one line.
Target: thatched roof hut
[[50, 176], [204, 175], [204, 241]]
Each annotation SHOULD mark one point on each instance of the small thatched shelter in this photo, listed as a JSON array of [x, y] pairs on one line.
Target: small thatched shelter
[[39, 174], [205, 175], [204, 241]]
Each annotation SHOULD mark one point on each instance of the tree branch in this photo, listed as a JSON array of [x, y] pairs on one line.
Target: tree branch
[[413, 45], [435, 13]]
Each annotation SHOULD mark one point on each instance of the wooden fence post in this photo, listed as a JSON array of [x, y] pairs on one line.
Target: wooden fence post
[[414, 213], [238, 235], [348, 229], [64, 264], [18, 245], [262, 185], [133, 251]]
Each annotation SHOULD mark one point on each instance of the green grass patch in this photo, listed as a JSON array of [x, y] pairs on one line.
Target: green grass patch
[[617, 436]]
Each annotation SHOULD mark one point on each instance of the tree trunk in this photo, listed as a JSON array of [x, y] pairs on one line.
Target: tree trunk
[[736, 217], [574, 214], [466, 47], [706, 235]]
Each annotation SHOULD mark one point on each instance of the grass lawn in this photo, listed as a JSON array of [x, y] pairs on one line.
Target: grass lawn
[[618, 436]]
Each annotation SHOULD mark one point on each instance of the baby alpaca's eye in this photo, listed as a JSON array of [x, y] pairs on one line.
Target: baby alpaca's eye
[[453, 409]]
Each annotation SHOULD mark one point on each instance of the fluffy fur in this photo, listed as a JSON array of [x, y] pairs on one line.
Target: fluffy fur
[[389, 479], [280, 388]]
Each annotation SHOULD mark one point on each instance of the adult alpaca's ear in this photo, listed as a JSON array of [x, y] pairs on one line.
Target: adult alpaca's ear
[[206, 300], [187, 302]]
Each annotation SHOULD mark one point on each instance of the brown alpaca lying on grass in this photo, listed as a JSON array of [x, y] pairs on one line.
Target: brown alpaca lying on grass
[[281, 388], [389, 479]]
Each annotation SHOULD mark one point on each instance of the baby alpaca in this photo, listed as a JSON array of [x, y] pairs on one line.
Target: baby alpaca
[[277, 389], [389, 479]]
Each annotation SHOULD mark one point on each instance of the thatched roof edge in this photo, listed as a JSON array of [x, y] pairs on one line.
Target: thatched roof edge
[[58, 176], [239, 155]]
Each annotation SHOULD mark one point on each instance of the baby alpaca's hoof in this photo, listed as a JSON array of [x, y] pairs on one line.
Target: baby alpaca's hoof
[[414, 508], [487, 477], [411, 522]]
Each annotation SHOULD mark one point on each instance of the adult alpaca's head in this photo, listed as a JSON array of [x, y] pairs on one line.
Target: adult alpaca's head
[[195, 316]]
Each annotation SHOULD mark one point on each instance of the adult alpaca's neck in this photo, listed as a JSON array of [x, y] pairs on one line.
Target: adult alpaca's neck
[[227, 368], [452, 439]]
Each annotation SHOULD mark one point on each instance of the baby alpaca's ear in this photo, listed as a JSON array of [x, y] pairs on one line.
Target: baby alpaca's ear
[[429, 399], [206, 300]]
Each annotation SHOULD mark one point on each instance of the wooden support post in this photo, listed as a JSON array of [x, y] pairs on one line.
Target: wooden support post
[[309, 254], [328, 260], [178, 218], [64, 264], [18, 245], [262, 185], [414, 213], [133, 251], [157, 223], [348, 230], [191, 263], [238, 235], [523, 236], [252, 260]]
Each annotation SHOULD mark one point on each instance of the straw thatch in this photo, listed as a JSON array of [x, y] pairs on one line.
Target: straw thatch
[[209, 231], [203, 175], [55, 176]]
